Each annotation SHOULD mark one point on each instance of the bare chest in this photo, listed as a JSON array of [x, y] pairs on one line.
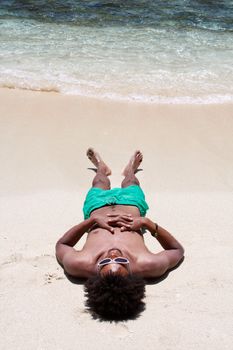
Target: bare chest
[[100, 241]]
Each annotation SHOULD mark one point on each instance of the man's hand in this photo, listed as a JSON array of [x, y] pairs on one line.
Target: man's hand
[[126, 222], [122, 221], [137, 224], [102, 222]]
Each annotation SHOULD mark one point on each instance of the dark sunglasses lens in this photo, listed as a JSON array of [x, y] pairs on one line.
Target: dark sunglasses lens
[[105, 261], [121, 260]]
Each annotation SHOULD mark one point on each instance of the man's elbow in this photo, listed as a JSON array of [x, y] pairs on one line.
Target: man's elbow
[[57, 247], [179, 257], [181, 249], [176, 258], [59, 252]]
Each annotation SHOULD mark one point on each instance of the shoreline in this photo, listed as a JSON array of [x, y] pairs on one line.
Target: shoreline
[[7, 91], [213, 99]]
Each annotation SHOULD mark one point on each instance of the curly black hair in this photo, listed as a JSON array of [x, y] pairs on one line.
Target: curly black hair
[[114, 297]]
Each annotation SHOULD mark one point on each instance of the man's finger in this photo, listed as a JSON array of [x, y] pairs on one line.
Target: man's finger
[[112, 221], [123, 224], [119, 217], [127, 218], [117, 221], [107, 227]]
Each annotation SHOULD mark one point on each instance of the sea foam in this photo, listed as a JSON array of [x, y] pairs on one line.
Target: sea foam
[[146, 52]]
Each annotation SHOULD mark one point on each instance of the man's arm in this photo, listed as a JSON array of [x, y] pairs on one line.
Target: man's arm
[[64, 246], [165, 238], [173, 250]]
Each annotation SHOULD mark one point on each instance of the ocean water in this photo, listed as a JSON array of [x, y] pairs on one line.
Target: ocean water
[[153, 51]]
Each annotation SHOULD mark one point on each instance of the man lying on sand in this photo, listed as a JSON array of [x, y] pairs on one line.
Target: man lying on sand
[[114, 258]]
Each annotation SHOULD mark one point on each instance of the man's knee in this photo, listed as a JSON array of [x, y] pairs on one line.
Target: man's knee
[[131, 182], [101, 183]]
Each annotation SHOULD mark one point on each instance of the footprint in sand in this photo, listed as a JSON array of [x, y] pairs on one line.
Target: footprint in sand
[[13, 258], [50, 277]]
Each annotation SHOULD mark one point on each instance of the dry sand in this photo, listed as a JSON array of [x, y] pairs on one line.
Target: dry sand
[[188, 181]]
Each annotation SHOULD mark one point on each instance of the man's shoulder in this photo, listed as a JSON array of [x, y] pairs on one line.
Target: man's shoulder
[[78, 265], [151, 265]]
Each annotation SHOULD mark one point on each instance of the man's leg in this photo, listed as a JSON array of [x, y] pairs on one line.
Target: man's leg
[[101, 179], [131, 169]]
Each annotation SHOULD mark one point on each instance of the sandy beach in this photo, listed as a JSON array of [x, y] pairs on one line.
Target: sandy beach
[[187, 178]]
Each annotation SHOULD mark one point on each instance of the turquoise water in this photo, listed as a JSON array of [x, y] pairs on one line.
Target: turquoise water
[[154, 51]]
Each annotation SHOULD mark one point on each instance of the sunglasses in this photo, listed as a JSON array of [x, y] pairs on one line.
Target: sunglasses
[[118, 260]]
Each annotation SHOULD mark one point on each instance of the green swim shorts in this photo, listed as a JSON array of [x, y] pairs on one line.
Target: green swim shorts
[[97, 198]]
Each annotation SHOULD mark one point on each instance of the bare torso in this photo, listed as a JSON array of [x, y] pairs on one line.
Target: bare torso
[[131, 243]]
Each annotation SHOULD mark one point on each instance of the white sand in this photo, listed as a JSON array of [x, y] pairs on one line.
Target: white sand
[[188, 181]]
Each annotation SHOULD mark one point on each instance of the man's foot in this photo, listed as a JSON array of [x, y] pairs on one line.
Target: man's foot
[[97, 161], [133, 164]]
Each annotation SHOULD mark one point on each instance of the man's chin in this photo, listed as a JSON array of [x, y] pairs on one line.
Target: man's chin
[[113, 250]]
